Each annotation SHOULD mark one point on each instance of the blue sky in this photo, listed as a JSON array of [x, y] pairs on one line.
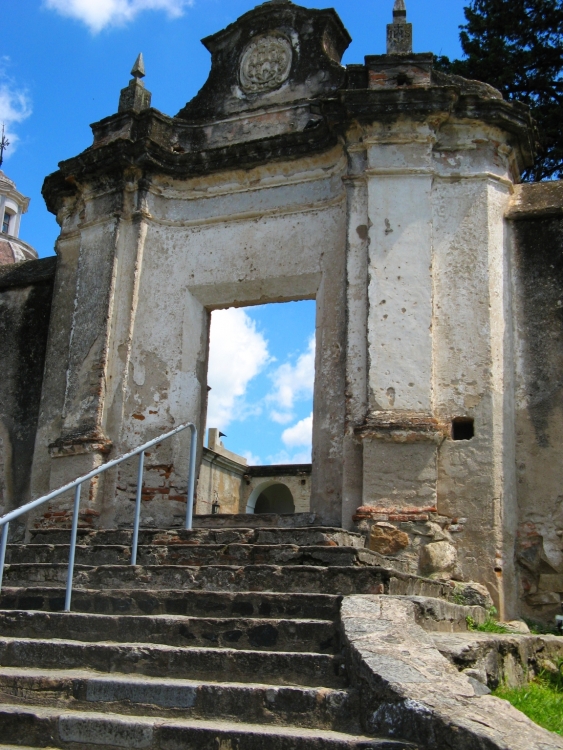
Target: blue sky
[[62, 65]]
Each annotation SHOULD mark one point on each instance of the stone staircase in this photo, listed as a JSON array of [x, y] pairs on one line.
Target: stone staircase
[[226, 637]]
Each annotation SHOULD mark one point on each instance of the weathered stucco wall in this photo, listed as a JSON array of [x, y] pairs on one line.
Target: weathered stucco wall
[[220, 482], [202, 247], [25, 304], [439, 348], [296, 478], [536, 219], [235, 487], [379, 191]]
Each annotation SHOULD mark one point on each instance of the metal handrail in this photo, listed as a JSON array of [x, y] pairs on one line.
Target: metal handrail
[[77, 485]]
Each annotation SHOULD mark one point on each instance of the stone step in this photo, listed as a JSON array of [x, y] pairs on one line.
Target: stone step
[[255, 520], [271, 667], [195, 555], [236, 633], [84, 690], [313, 536], [54, 728], [343, 581], [176, 602]]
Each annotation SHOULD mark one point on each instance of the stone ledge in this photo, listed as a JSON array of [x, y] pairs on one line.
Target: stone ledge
[[28, 272], [408, 690], [81, 442], [538, 200], [512, 659], [403, 427], [382, 513]]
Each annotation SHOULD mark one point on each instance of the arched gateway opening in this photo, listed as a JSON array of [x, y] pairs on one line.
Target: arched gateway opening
[[271, 497]]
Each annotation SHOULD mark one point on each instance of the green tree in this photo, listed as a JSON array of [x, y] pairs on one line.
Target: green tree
[[517, 47]]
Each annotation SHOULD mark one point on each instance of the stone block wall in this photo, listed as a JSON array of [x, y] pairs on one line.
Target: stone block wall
[[419, 536], [536, 219], [25, 305]]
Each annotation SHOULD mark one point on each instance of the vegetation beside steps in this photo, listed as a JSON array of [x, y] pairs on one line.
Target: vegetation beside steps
[[541, 700]]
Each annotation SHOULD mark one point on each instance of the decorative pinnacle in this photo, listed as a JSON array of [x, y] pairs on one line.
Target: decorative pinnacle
[[139, 67], [399, 12], [399, 33], [135, 97], [4, 143]]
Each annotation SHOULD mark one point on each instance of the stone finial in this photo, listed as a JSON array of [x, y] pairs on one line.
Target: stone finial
[[135, 97], [400, 11], [399, 33], [138, 70]]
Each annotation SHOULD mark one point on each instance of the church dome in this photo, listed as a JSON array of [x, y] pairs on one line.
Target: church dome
[[12, 206]]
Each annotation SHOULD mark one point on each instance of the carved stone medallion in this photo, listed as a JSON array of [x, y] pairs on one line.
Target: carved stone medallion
[[266, 63]]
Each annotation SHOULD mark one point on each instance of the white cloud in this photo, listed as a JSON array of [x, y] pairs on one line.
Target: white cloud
[[15, 106], [283, 457], [292, 382], [237, 353], [281, 417], [300, 434], [97, 14], [252, 459]]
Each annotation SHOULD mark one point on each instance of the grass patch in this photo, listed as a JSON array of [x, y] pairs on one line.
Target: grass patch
[[489, 626], [541, 700]]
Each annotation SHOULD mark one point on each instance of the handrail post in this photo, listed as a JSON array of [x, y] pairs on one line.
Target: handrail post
[[76, 485], [3, 544], [139, 498], [72, 554], [191, 479]]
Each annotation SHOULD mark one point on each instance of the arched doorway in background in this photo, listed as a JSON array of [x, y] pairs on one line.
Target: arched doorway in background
[[271, 497]]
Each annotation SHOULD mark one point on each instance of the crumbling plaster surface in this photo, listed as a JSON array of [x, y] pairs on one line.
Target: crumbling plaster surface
[[439, 340], [195, 247], [231, 260], [473, 378], [380, 196]]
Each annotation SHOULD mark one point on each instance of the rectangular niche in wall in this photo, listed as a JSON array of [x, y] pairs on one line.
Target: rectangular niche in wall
[[463, 428]]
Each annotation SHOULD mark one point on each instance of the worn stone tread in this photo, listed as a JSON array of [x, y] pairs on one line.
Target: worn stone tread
[[87, 690], [178, 602], [239, 633], [55, 728], [196, 554], [275, 667], [255, 520], [342, 580], [314, 535]]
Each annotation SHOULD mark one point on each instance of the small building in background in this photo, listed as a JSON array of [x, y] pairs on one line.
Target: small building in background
[[12, 207], [227, 484]]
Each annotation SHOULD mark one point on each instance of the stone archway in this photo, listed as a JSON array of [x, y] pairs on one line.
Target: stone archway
[[271, 497]]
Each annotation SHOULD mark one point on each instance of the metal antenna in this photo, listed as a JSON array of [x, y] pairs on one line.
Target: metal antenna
[[4, 143]]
